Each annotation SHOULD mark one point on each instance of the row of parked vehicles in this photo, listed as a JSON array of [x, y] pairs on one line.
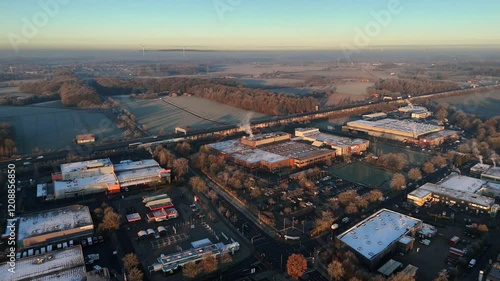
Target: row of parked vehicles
[[45, 249], [92, 240]]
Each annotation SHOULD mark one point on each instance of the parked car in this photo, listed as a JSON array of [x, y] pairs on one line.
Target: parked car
[[84, 242], [101, 239], [95, 240]]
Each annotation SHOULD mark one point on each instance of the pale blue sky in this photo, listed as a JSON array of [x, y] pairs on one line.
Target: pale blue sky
[[251, 24]]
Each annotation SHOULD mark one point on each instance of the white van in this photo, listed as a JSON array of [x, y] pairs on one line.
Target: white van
[[89, 241], [472, 263]]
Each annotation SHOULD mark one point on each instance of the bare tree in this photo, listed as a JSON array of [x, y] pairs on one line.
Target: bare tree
[[414, 174], [209, 264], [190, 270], [398, 181], [198, 184], [428, 168], [442, 276], [130, 261], [225, 258], [401, 276], [181, 166], [110, 221], [212, 195], [351, 208], [296, 265], [335, 270], [135, 274]]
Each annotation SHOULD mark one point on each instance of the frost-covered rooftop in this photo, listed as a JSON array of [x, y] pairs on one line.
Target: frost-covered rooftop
[[36, 224], [85, 182], [75, 166], [480, 200], [404, 126], [334, 140], [419, 193], [257, 155], [493, 172], [374, 234], [229, 147], [66, 264], [138, 174], [135, 165], [462, 183], [481, 168]]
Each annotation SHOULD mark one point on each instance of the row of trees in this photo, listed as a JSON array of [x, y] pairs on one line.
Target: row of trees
[[131, 265], [180, 166], [14, 100], [7, 144], [398, 180], [206, 266], [411, 87], [219, 91]]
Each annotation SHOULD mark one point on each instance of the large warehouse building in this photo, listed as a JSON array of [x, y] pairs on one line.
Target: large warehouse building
[[101, 176], [457, 190], [271, 152], [380, 234], [401, 130], [52, 226], [341, 145]]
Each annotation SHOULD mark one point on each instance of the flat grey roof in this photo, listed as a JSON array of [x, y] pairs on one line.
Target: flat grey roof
[[374, 234]]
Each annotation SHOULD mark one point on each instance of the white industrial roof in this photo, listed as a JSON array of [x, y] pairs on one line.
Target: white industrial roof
[[458, 195], [493, 172], [139, 174], [427, 229], [229, 147], [86, 182], [440, 134], [419, 193], [462, 183], [257, 155], [406, 239], [135, 165], [375, 115], [75, 166], [66, 264], [74, 216], [334, 140], [266, 136], [405, 126], [374, 234], [412, 108], [480, 167]]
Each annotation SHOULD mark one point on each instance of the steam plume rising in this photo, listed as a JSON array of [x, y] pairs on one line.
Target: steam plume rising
[[245, 124]]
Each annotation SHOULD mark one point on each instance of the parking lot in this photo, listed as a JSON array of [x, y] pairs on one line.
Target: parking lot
[[149, 240]]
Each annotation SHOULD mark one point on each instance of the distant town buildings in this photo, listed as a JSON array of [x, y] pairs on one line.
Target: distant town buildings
[[341, 145]]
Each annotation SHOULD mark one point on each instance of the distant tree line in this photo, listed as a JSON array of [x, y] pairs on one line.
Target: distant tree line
[[411, 87], [222, 91], [71, 89], [7, 143]]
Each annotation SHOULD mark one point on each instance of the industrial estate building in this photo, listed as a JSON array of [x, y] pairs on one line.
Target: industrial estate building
[[101, 176], [271, 151], [64, 264], [52, 226], [457, 190], [341, 145], [403, 130], [382, 233], [86, 138]]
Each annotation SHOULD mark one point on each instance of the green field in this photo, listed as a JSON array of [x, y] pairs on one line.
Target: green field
[[48, 128], [414, 157], [484, 105], [158, 115], [360, 172]]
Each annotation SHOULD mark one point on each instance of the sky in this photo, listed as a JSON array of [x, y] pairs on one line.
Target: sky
[[246, 24]]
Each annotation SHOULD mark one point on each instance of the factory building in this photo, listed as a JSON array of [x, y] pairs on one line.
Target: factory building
[[271, 152], [374, 116], [86, 138], [438, 138], [52, 226], [341, 145], [261, 139], [492, 174], [379, 235], [401, 130], [412, 108], [64, 264], [101, 176], [437, 193]]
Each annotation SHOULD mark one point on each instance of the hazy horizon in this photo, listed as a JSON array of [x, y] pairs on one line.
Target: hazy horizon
[[247, 25]]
